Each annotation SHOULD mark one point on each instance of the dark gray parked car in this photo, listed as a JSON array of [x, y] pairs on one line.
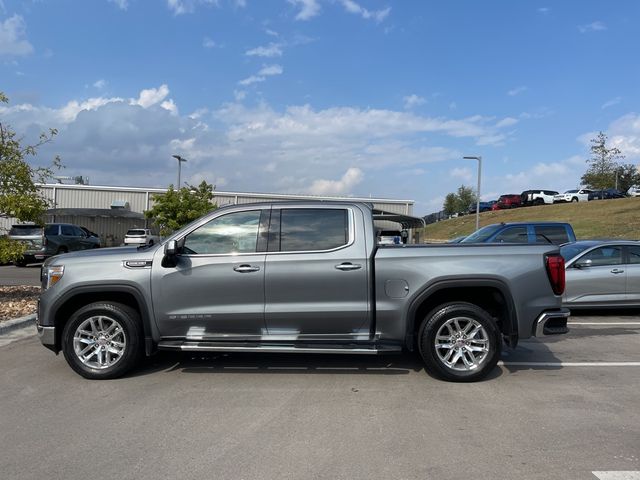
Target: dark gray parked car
[[556, 233], [602, 274], [52, 239]]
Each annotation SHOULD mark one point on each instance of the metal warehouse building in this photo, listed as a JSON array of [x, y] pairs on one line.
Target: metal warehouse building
[[111, 211]]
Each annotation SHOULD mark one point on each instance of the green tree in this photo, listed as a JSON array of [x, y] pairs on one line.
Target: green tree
[[459, 201], [466, 196], [628, 176], [450, 204], [19, 196], [177, 208], [601, 171]]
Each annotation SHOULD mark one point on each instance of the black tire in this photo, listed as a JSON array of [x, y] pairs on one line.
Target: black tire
[[127, 318], [574, 199], [151, 243], [539, 201], [465, 312], [20, 263], [62, 250]]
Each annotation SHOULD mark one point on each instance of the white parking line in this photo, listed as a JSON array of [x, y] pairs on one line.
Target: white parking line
[[570, 364], [618, 475], [604, 323]]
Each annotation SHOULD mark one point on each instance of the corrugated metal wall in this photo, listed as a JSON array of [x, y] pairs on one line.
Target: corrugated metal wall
[[90, 196]]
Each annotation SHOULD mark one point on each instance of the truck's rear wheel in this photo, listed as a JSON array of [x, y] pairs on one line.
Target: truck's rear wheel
[[460, 342], [102, 340]]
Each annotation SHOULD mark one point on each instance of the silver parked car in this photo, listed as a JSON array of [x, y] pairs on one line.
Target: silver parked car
[[602, 273]]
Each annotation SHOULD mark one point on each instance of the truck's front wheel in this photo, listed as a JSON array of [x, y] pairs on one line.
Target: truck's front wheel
[[460, 342], [102, 340]]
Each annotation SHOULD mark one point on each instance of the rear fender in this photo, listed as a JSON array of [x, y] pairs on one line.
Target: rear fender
[[448, 287]]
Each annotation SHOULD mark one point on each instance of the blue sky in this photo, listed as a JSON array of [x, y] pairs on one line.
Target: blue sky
[[337, 97]]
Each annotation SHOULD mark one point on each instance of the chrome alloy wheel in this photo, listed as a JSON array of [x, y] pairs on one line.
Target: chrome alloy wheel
[[99, 342], [462, 344]]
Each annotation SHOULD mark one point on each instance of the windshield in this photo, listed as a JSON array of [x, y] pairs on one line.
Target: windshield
[[481, 235], [25, 230], [135, 232], [573, 250], [571, 191]]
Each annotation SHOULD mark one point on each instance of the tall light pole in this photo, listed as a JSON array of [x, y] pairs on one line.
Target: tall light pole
[[180, 160], [479, 159]]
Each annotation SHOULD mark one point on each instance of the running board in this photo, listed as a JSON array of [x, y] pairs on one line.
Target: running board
[[261, 348]]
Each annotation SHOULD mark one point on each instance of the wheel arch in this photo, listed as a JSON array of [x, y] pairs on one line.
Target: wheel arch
[[491, 295], [77, 297]]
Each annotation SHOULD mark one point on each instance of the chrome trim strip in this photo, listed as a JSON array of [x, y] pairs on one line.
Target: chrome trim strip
[[546, 316], [201, 347], [47, 335]]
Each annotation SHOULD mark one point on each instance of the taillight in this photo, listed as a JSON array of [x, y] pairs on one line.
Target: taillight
[[555, 272], [44, 241]]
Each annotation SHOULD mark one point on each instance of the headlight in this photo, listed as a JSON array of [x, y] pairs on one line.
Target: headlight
[[51, 275]]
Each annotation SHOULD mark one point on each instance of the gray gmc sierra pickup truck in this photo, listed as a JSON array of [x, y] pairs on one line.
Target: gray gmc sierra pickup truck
[[298, 277]]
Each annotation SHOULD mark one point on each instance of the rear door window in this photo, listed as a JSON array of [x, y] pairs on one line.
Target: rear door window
[[51, 230], [555, 234], [312, 229], [634, 254], [67, 230]]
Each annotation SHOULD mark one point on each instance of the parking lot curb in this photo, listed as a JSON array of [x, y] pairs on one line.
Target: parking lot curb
[[15, 323]]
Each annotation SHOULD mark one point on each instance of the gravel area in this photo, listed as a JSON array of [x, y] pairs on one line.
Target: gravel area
[[17, 301]]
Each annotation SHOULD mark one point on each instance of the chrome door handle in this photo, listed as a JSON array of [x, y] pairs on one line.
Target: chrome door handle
[[246, 268], [617, 270], [348, 266]]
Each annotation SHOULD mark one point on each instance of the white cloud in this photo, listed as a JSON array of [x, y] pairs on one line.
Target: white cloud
[[70, 111], [269, 70], [612, 102], [100, 84], [151, 96], [208, 43], [624, 133], [265, 71], [376, 15], [180, 7], [507, 122], [273, 33], [13, 41], [516, 91], [298, 149], [271, 50], [239, 95], [453, 106], [240, 3], [352, 177], [308, 8], [592, 27], [122, 4], [413, 100], [544, 10]]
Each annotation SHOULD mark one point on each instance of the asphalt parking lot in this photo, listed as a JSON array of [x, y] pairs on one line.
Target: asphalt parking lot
[[11, 275], [558, 408]]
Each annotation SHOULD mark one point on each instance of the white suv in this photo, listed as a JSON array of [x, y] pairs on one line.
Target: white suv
[[634, 191], [581, 195], [140, 237]]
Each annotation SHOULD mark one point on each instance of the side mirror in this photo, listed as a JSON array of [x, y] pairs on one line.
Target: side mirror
[[170, 248], [170, 251], [583, 263]]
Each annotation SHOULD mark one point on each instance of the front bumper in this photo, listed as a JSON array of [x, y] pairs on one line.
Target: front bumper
[[552, 322], [47, 336]]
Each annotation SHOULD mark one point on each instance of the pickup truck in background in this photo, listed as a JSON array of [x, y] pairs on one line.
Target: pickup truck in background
[[299, 277], [140, 237]]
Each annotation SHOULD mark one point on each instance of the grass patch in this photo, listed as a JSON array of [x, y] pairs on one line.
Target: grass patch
[[618, 218]]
